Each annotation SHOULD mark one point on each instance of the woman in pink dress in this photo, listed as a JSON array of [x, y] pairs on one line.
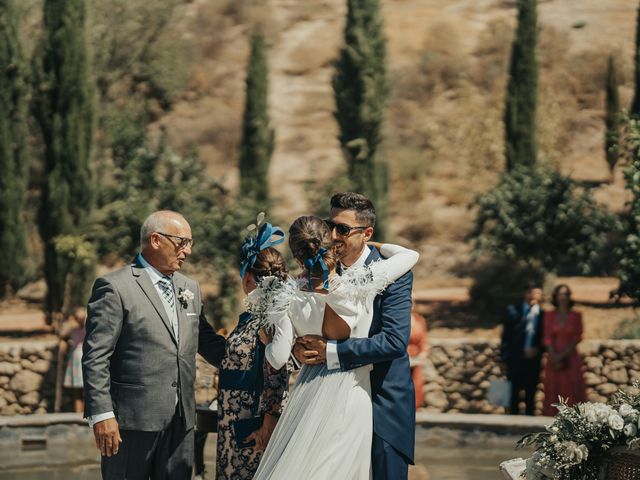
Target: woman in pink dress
[[418, 348], [563, 370]]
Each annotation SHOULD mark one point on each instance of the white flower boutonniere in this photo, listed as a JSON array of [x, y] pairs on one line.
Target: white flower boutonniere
[[184, 296]]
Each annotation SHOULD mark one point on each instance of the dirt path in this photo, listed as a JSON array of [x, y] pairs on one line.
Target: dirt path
[[301, 99]]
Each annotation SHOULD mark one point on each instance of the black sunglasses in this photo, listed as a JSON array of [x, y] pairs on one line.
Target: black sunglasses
[[342, 229], [184, 241]]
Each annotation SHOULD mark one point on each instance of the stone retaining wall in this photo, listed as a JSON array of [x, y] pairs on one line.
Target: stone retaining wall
[[27, 377], [458, 374]]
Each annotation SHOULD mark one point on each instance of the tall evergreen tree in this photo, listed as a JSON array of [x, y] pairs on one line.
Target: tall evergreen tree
[[612, 116], [361, 89], [257, 142], [522, 90], [63, 106], [635, 104], [13, 152]]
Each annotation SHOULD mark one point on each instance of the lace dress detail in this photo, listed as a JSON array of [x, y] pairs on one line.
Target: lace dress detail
[[233, 463]]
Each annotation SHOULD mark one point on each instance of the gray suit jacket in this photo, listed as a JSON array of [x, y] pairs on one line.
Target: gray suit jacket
[[132, 364]]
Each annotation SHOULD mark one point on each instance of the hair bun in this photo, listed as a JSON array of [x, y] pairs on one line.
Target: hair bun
[[270, 263], [307, 235]]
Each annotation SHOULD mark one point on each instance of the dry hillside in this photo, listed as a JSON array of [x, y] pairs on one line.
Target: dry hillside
[[447, 66]]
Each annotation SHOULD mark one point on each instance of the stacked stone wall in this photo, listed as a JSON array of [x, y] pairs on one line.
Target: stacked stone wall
[[458, 374]]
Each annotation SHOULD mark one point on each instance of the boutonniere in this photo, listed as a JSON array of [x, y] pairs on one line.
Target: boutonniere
[[184, 296]]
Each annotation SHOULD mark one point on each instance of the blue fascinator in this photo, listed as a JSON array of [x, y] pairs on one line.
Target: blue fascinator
[[254, 244]]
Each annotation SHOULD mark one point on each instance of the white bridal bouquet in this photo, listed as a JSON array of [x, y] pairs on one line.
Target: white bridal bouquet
[[271, 296], [575, 445]]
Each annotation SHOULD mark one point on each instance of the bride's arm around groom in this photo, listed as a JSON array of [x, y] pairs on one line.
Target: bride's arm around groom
[[392, 393]]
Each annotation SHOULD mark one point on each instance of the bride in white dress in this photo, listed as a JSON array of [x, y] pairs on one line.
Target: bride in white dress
[[326, 428]]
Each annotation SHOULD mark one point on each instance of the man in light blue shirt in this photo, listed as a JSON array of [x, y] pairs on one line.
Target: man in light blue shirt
[[521, 349], [145, 324]]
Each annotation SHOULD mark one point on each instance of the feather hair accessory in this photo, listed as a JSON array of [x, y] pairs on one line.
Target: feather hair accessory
[[359, 284]]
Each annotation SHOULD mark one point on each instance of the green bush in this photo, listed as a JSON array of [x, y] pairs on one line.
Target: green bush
[[501, 282], [540, 218], [628, 329]]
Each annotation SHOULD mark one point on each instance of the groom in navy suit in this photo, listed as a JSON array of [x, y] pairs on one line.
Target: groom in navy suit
[[392, 393]]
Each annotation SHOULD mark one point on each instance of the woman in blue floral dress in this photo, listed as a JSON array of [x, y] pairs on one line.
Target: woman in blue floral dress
[[250, 391]]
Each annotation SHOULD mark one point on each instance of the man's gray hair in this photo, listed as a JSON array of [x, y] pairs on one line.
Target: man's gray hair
[[157, 222]]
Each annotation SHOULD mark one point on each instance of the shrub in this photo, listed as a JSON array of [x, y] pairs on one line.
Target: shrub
[[539, 217], [500, 282], [628, 328]]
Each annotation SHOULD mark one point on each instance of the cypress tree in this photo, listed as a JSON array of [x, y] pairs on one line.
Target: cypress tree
[[257, 142], [612, 116], [13, 152], [635, 104], [360, 87], [520, 110], [63, 107]]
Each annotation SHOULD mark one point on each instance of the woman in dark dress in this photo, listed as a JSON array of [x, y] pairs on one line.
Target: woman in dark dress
[[250, 391]]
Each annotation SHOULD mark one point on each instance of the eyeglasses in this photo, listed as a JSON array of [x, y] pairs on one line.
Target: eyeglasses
[[184, 241], [342, 229]]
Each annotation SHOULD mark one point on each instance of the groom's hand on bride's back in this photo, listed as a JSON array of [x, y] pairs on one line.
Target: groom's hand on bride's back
[[310, 350], [107, 435]]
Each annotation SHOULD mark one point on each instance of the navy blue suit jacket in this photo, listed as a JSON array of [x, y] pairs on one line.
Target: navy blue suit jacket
[[512, 344], [392, 392]]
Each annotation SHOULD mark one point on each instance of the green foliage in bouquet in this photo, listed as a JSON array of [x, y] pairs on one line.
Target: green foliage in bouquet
[[575, 445]]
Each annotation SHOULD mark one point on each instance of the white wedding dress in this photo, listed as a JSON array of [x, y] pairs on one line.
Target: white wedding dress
[[326, 427]]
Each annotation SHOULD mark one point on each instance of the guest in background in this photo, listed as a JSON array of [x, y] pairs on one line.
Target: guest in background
[[521, 349], [563, 370], [73, 332], [417, 349], [250, 391]]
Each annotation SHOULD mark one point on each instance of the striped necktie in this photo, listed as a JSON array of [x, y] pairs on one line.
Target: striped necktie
[[166, 287]]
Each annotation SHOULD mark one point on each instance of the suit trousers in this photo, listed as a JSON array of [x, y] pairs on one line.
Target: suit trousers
[[164, 455], [525, 380], [387, 463]]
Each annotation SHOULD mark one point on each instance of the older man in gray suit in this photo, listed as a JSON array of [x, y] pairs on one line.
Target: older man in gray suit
[[144, 327]]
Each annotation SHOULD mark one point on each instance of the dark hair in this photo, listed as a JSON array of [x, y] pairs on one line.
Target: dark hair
[[556, 291], [269, 263], [307, 235], [532, 286], [365, 211]]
